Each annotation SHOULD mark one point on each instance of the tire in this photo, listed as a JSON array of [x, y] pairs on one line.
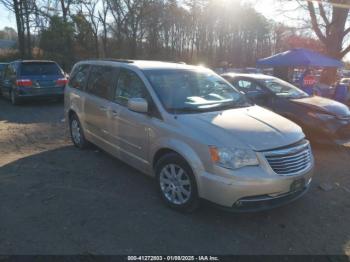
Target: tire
[[77, 133], [176, 183], [14, 99]]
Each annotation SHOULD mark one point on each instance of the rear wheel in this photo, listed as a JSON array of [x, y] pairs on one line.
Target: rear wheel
[[77, 133], [176, 183]]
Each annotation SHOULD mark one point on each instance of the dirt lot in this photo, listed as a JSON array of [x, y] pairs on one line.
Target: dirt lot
[[56, 199]]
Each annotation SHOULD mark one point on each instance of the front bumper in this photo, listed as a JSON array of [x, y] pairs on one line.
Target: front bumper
[[252, 189], [265, 202]]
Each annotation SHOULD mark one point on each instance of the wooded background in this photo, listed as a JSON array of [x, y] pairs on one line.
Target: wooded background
[[210, 32]]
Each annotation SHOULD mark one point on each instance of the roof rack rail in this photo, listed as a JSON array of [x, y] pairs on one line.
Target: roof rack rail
[[118, 60]]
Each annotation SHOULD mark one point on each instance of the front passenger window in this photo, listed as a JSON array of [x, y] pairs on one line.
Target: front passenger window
[[129, 86]]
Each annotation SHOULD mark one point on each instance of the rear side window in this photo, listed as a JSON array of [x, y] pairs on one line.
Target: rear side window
[[101, 81], [79, 77], [41, 68]]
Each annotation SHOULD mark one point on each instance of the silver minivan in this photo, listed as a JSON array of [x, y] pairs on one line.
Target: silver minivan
[[190, 129]]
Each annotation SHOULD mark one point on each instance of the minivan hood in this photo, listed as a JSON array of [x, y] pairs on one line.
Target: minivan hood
[[322, 104], [253, 127]]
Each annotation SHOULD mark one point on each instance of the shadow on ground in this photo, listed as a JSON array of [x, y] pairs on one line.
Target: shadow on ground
[[27, 112], [67, 201]]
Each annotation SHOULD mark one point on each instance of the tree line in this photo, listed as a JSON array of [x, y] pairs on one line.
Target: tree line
[[210, 32]]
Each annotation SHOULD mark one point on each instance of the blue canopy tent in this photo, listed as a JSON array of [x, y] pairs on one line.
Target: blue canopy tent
[[299, 57]]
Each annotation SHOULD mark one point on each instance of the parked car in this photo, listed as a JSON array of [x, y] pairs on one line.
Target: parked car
[[29, 79], [323, 120], [2, 68], [192, 130]]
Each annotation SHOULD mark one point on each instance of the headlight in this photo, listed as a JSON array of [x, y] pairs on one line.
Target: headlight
[[321, 116], [233, 158]]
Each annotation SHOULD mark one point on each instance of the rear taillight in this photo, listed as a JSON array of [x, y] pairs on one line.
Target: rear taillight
[[24, 82], [62, 81]]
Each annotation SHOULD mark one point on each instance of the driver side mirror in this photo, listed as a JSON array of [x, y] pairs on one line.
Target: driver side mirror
[[139, 105]]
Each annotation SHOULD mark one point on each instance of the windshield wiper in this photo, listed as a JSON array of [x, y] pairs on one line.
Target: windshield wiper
[[185, 110], [220, 107]]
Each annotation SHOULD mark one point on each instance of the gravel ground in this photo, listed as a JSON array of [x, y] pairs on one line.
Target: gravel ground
[[56, 199]]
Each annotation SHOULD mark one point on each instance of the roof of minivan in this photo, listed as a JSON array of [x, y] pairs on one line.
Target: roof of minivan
[[142, 64], [255, 76], [147, 64]]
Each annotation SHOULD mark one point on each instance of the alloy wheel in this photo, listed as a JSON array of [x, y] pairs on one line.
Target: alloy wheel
[[175, 184], [75, 127]]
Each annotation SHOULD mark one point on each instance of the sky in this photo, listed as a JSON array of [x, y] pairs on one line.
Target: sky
[[6, 18], [269, 8]]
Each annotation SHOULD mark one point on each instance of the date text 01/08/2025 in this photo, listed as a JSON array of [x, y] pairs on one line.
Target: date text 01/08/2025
[[173, 258]]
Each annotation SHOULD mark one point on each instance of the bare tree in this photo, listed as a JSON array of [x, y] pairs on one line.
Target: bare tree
[[102, 14], [92, 17]]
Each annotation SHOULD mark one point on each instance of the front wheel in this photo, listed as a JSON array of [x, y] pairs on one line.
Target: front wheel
[[176, 183]]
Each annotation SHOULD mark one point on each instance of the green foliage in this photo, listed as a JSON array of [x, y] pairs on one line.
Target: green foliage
[[194, 31], [55, 41], [83, 36]]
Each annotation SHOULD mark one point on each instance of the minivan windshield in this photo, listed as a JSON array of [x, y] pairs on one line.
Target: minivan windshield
[[284, 89], [40, 68], [186, 91]]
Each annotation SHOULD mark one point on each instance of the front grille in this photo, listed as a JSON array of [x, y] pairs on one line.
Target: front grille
[[290, 160]]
